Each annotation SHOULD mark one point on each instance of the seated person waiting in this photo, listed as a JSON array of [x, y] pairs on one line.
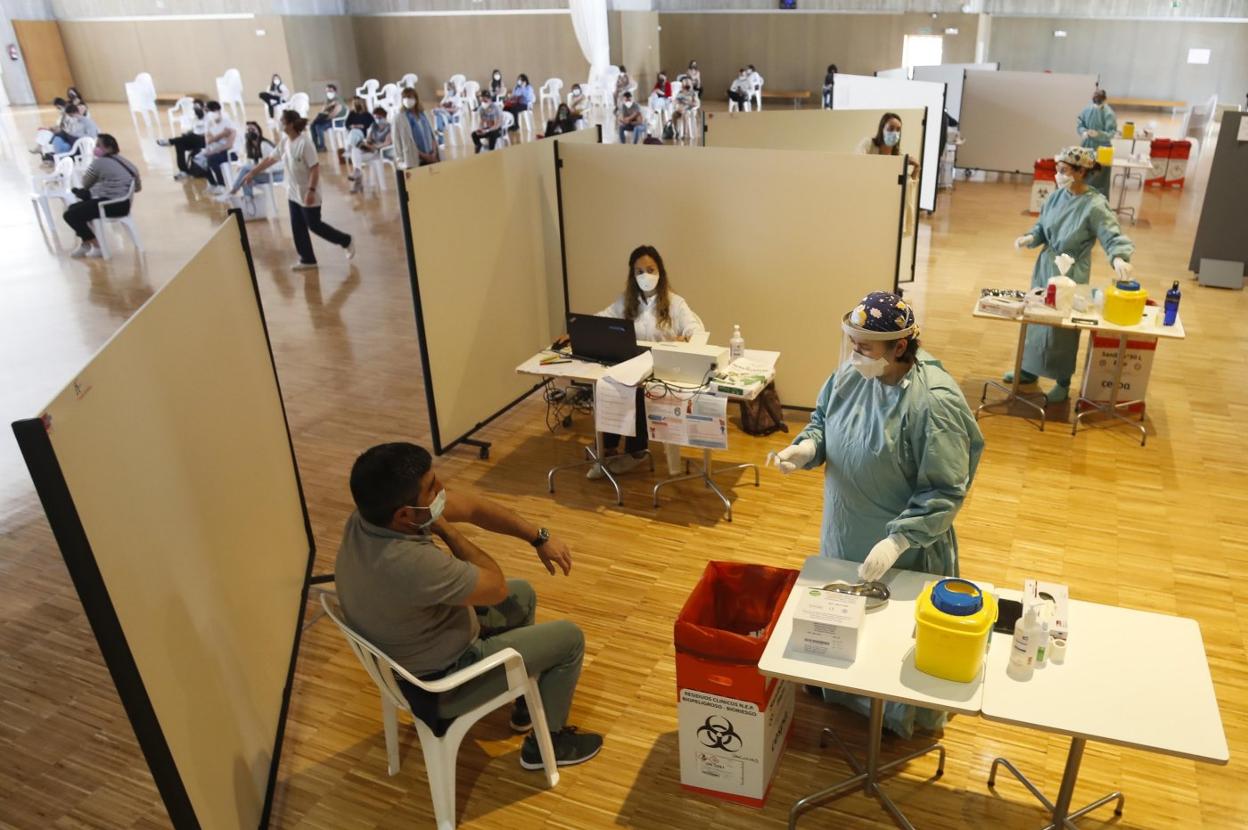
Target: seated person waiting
[[435, 611]]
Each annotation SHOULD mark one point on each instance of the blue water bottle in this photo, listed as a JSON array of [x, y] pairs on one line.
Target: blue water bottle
[[1172, 304]]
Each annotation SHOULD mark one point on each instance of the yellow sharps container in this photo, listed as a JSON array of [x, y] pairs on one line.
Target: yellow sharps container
[[954, 621], [1124, 303], [1105, 155]]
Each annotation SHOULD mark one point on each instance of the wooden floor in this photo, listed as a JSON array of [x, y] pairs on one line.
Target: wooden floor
[[1163, 527]]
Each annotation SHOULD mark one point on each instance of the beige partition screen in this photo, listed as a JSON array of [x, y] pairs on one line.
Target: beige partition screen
[[168, 477], [486, 279], [834, 131], [1010, 119], [763, 238]]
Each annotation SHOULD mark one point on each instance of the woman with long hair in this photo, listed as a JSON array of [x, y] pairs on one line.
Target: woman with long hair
[[887, 141], [658, 314], [303, 176]]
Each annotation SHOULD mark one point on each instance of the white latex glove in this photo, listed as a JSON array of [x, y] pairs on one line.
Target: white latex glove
[[1092, 133], [1122, 268], [1024, 241], [793, 456], [882, 557]]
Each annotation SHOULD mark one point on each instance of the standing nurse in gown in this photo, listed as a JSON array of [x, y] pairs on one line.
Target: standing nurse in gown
[[1073, 218], [899, 447], [1097, 127]]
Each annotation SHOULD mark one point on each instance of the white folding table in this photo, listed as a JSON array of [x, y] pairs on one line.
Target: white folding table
[[1132, 678], [884, 670]]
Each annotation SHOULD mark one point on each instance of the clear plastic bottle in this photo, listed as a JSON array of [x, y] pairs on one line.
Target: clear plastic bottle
[[1022, 650], [736, 344], [1041, 638]]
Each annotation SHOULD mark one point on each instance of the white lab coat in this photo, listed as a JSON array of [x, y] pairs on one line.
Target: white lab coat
[[684, 323], [756, 82]]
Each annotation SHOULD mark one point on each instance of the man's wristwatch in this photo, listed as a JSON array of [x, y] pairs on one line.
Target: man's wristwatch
[[543, 536]]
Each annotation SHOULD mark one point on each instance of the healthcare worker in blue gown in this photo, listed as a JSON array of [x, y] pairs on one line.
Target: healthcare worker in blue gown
[[1097, 126], [899, 448], [1071, 221]]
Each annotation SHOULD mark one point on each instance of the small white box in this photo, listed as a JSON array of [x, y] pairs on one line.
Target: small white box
[[826, 624], [1053, 595], [731, 748]]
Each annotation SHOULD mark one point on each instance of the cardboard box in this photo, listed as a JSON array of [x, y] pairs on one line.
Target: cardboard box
[[1055, 595], [1137, 365], [730, 748], [826, 624]]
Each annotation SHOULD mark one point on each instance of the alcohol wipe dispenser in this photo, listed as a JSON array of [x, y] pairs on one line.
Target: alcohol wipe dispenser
[[1064, 299]]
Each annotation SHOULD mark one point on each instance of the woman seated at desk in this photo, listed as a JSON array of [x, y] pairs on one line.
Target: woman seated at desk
[[657, 314]]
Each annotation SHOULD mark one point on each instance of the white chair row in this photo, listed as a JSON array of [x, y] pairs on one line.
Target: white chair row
[[230, 94], [141, 96]]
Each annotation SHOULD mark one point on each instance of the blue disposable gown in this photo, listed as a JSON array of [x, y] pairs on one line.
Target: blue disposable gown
[[897, 459], [1068, 224], [1103, 120]]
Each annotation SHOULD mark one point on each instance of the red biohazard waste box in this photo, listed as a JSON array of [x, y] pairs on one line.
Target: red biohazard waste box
[[1159, 151], [1043, 183], [1176, 170], [734, 722]]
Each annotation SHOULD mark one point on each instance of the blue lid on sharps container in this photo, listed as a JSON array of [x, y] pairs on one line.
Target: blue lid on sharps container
[[959, 597]]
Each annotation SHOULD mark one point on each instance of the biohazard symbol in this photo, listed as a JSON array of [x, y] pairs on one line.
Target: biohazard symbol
[[717, 733]]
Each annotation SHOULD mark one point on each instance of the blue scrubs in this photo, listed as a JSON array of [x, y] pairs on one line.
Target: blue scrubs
[[1068, 224], [1103, 120], [897, 459]]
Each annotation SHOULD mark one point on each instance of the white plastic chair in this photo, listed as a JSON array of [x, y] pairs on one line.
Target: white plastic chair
[[141, 97], [230, 94], [758, 94], [388, 97], [548, 96], [504, 138], [181, 115], [526, 123], [81, 154], [54, 185], [469, 90], [375, 167], [441, 752], [455, 84], [408, 81], [369, 92], [126, 222], [298, 102], [337, 137]]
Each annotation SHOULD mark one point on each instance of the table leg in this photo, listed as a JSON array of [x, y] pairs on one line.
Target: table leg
[[1111, 408], [1061, 815], [1012, 393], [596, 455], [705, 474], [868, 778]]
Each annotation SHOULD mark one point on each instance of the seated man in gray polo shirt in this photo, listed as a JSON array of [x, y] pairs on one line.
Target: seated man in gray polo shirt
[[435, 611]]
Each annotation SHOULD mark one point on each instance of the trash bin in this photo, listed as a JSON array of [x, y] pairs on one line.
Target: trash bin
[[733, 722], [1043, 183]]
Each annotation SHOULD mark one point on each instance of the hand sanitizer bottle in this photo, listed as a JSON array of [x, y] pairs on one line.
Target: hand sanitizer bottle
[[1022, 651], [736, 344]]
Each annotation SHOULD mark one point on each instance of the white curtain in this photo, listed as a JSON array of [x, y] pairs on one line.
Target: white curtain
[[589, 19]]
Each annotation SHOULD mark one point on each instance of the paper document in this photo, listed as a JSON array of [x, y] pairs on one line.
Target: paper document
[[697, 421], [634, 371], [615, 407]]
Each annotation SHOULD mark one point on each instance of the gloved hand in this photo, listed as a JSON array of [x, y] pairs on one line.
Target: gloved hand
[[882, 557], [793, 456], [1092, 133], [1122, 268], [1024, 241]]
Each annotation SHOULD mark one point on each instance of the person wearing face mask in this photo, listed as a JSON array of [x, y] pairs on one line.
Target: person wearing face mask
[[887, 141], [435, 612], [489, 123], [1097, 126], [756, 86], [578, 102], [686, 100], [695, 77], [275, 95], [108, 177], [658, 314], [380, 136], [629, 120], [415, 143], [333, 109], [521, 100], [219, 137], [303, 192], [563, 122], [1071, 221], [661, 94], [188, 143], [899, 447], [623, 84], [255, 148], [741, 89], [358, 122], [498, 89]]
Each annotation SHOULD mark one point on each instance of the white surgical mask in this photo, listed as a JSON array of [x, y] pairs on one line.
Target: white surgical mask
[[1064, 179], [891, 138], [435, 508], [647, 282], [868, 367], [409, 103]]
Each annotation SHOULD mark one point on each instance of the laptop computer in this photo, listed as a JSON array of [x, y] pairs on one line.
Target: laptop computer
[[608, 340]]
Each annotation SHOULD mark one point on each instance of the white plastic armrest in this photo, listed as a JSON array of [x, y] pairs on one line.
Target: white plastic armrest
[[113, 202], [459, 678]]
